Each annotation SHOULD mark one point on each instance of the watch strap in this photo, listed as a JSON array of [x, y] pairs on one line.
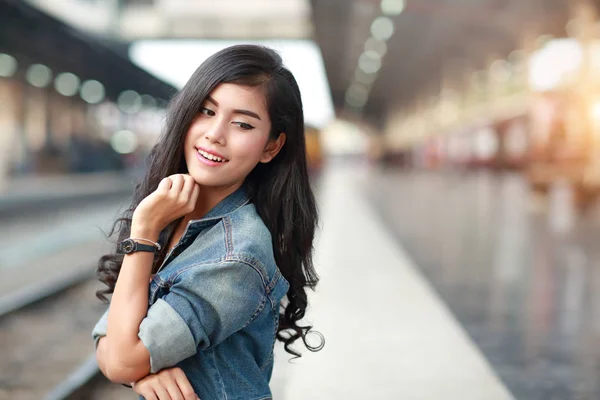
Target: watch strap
[[144, 247], [129, 246]]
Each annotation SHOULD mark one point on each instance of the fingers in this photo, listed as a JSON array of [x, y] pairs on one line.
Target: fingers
[[144, 388], [172, 384], [164, 185], [175, 196], [188, 188], [177, 185], [185, 191], [195, 193], [174, 392], [161, 391], [184, 385], [149, 395], [169, 384]]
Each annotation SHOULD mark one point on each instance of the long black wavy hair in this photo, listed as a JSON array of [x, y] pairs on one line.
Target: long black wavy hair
[[280, 189]]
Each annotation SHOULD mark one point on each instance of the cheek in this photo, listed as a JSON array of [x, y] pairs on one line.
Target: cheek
[[251, 147], [194, 130], [190, 138], [187, 149]]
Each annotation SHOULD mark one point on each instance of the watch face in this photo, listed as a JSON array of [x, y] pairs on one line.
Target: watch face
[[127, 246]]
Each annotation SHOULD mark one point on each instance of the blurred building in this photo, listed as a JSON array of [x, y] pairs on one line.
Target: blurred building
[[129, 20], [66, 95]]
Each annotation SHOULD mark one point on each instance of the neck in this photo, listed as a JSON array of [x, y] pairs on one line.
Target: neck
[[208, 198]]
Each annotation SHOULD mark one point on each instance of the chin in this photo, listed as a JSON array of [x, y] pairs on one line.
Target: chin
[[203, 180], [208, 180]]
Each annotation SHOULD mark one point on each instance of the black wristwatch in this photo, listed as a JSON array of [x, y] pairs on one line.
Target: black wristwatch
[[129, 246]]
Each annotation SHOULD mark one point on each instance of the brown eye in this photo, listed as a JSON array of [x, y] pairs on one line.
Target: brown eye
[[207, 111], [244, 126]]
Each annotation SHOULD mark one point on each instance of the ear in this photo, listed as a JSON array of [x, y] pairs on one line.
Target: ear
[[272, 148]]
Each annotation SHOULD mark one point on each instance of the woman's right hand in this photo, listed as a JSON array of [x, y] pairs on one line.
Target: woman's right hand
[[167, 384], [175, 196]]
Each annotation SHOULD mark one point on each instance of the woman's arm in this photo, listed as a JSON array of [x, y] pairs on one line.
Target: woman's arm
[[101, 355], [126, 357], [123, 356], [169, 383]]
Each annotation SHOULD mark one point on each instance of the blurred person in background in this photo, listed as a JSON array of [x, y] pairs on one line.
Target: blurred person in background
[[87, 154], [314, 152], [222, 227]]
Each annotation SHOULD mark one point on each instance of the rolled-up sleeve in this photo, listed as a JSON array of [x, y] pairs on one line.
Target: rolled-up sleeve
[[100, 328], [204, 306]]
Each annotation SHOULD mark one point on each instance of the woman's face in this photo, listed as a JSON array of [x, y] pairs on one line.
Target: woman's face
[[229, 137]]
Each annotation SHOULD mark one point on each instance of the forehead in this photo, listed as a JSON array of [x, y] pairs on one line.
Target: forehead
[[236, 96]]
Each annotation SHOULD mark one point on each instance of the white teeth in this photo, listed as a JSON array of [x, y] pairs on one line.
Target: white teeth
[[210, 156]]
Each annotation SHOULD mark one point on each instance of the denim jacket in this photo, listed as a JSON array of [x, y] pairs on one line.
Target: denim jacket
[[214, 304]]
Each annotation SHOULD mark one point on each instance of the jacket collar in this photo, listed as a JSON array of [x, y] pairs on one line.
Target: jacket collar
[[228, 205]]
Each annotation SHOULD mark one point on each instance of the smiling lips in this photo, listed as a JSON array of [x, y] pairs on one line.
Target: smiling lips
[[211, 157]]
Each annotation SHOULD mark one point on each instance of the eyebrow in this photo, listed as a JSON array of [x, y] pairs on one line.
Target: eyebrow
[[236, 111]]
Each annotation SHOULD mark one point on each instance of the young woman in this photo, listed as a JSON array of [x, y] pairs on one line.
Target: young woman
[[222, 227]]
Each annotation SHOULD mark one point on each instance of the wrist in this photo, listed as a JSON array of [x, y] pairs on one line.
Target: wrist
[[145, 231]]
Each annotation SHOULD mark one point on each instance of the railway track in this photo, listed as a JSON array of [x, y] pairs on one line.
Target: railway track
[[46, 347], [47, 296]]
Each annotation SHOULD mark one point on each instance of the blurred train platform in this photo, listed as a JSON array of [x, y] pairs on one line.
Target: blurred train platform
[[389, 335], [518, 272], [22, 195]]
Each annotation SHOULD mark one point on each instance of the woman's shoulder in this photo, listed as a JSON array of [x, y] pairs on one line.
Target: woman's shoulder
[[247, 239], [248, 232], [240, 235]]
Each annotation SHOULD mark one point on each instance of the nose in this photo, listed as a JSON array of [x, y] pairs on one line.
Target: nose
[[216, 131]]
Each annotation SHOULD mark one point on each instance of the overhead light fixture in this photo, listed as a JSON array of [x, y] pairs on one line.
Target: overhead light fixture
[[362, 77], [92, 92], [517, 56], [382, 28], [369, 62], [500, 70], [8, 65], [39, 75], [355, 102], [548, 67], [358, 91], [376, 45], [357, 95], [129, 101], [542, 40], [66, 84], [124, 142], [392, 7], [148, 101]]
